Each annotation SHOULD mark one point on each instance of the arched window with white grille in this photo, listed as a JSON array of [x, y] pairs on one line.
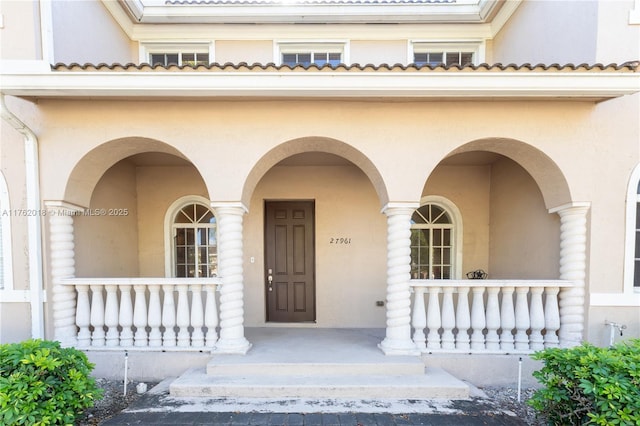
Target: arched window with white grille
[[436, 232], [192, 239], [632, 240]]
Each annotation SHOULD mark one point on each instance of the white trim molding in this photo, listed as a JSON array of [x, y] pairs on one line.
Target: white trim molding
[[36, 79]]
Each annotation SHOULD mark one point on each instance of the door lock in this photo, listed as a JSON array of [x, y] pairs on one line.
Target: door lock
[[270, 279]]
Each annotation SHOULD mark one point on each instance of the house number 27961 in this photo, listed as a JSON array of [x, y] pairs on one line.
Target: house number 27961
[[340, 241]]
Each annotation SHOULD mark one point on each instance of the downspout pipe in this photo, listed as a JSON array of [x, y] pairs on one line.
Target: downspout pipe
[[34, 224]]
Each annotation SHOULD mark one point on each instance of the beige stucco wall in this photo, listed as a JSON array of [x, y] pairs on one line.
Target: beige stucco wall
[[524, 236], [379, 52], [249, 51], [157, 189], [548, 32], [468, 187], [621, 40], [107, 236], [350, 278], [19, 38], [85, 32]]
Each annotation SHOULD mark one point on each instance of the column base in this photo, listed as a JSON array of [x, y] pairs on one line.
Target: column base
[[232, 346], [398, 347]]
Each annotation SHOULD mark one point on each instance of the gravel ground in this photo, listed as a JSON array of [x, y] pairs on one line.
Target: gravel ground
[[115, 401]]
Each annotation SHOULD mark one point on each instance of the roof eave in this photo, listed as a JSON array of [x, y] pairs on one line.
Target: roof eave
[[594, 85]]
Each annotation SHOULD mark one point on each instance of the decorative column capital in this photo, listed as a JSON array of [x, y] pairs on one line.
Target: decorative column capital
[[64, 208], [400, 207], [229, 207], [578, 207]]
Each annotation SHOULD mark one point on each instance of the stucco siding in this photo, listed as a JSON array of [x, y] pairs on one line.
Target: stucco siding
[[249, 51]]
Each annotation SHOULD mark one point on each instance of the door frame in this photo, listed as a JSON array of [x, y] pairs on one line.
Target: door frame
[[312, 204]]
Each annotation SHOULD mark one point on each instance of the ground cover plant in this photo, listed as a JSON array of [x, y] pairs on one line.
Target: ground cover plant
[[589, 385], [44, 384]]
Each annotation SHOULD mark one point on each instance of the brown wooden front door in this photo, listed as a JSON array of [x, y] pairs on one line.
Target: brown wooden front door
[[290, 261]]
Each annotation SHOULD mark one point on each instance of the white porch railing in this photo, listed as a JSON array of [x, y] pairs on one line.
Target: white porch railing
[[146, 313], [486, 316]]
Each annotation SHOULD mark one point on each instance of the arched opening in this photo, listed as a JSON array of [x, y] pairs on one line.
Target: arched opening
[[341, 190], [508, 231], [122, 231]]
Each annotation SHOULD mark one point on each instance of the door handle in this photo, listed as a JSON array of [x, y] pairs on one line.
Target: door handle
[[270, 279]]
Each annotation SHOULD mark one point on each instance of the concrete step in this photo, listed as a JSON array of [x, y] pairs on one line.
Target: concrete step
[[230, 365], [434, 383]]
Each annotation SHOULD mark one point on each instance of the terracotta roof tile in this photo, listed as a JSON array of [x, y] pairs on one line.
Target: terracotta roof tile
[[631, 66]]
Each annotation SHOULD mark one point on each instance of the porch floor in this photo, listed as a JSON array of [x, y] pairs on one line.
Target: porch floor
[[317, 363]]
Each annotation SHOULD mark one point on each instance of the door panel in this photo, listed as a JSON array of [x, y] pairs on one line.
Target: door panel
[[290, 261]]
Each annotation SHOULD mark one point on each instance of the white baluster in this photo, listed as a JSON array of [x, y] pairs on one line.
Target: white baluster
[[83, 316], [493, 318], [230, 261], [522, 319], [507, 320], [125, 317], [434, 319], [211, 316], [155, 316], [477, 319], [111, 315], [551, 317], [419, 319], [536, 319], [463, 319], [197, 316], [97, 316], [140, 316], [448, 319], [63, 266], [168, 317], [182, 320], [573, 267]]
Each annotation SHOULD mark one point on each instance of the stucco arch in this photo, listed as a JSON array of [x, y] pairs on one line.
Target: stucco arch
[[314, 144], [546, 173], [88, 171]]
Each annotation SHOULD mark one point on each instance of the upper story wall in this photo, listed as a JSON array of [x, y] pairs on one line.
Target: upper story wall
[[560, 31], [548, 32], [20, 29], [84, 31]]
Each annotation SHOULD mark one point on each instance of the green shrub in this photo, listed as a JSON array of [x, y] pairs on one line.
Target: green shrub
[[589, 385], [44, 384]]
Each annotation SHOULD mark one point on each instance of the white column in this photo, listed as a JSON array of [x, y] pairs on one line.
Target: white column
[[463, 319], [493, 318], [229, 217], [507, 320], [168, 317], [111, 315], [419, 319], [97, 316], [522, 319], [125, 316], [551, 317], [448, 319], [478, 321], [197, 316], [211, 316], [398, 333], [434, 319], [62, 254], [155, 316], [537, 319], [83, 316], [141, 337], [573, 267]]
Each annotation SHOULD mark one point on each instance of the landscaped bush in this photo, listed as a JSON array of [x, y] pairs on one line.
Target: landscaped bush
[[589, 385], [44, 384]]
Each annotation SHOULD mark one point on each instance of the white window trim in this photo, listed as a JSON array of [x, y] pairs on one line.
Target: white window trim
[[456, 222], [7, 261], [149, 47], [629, 244], [298, 46], [169, 217], [478, 47]]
